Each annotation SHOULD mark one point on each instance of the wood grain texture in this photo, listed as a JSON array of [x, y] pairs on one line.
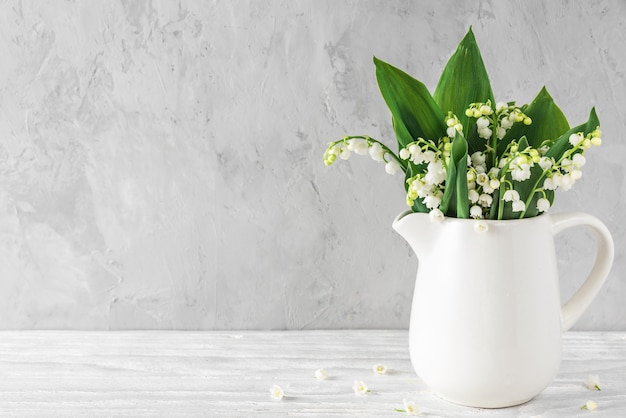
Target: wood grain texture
[[228, 374]]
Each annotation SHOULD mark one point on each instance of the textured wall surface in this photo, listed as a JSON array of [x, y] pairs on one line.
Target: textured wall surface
[[161, 162]]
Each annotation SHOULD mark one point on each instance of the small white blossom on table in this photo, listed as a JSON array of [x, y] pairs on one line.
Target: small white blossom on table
[[593, 382], [276, 392], [589, 405], [360, 388], [379, 369], [321, 374], [410, 408]]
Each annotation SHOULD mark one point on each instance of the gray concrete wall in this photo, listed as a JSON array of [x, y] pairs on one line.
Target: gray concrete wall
[[161, 162]]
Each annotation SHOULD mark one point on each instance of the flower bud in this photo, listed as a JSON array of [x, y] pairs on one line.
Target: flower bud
[[473, 196], [543, 204], [579, 160], [500, 132], [485, 133], [545, 163], [518, 206], [482, 122], [476, 212], [478, 158], [481, 226], [391, 167], [576, 174], [376, 152], [575, 139], [506, 123], [436, 215], [485, 200], [511, 195]]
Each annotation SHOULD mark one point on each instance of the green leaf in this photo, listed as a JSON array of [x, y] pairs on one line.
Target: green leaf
[[493, 212], [464, 81], [402, 134], [562, 144], [414, 111], [460, 156], [523, 143], [455, 201], [474, 142], [548, 122]]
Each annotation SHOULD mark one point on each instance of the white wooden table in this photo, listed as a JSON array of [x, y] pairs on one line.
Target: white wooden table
[[229, 374]]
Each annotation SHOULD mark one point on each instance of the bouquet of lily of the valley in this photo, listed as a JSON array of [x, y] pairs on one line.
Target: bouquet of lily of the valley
[[464, 154]]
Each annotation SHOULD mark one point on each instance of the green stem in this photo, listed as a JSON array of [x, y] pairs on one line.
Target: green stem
[[501, 199], [534, 191], [494, 141], [504, 170]]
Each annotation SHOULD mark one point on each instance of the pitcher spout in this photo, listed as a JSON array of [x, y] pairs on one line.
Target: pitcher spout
[[417, 229]]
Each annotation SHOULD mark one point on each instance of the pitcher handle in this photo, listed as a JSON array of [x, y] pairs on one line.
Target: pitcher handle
[[580, 301]]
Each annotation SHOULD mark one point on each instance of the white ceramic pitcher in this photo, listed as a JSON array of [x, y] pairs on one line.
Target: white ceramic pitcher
[[486, 320]]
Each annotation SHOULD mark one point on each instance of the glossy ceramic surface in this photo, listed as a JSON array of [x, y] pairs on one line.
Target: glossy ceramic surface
[[486, 319]]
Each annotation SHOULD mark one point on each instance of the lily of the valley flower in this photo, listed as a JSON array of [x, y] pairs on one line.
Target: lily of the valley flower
[[276, 392], [321, 374], [476, 212], [589, 405], [358, 145], [520, 169], [376, 152], [576, 139], [392, 166], [410, 408], [519, 206], [436, 215], [481, 226], [511, 196], [360, 388], [379, 369], [593, 382], [543, 204]]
